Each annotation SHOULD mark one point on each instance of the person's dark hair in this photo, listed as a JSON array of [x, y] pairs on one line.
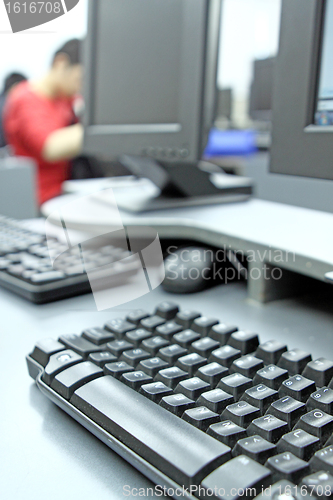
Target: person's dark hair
[[72, 49], [13, 79]]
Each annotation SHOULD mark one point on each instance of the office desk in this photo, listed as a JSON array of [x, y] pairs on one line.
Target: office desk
[[298, 240], [46, 454]]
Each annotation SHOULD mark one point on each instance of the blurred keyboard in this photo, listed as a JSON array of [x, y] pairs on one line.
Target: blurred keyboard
[[26, 267], [196, 404]]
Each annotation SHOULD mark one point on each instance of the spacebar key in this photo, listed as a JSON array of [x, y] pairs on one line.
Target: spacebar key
[[182, 452]]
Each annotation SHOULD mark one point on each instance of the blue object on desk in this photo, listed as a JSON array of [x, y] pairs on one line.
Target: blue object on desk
[[231, 143]]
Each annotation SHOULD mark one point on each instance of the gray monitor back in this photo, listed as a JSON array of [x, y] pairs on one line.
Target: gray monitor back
[[224, 103], [150, 85], [298, 146], [262, 89]]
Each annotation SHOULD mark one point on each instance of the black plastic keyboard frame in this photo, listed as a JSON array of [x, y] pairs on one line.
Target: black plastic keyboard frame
[[152, 473], [48, 292]]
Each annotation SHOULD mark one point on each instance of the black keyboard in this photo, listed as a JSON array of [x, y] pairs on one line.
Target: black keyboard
[[197, 405], [26, 267]]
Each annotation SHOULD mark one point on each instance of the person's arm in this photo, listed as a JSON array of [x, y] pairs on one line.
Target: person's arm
[[63, 144]]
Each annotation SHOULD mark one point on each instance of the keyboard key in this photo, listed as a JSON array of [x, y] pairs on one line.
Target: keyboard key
[[255, 447], [135, 337], [212, 373], [222, 332], [101, 358], [177, 404], [171, 376], [272, 376], [317, 423], [270, 352], [167, 310], [227, 432], [247, 365], [235, 384], [134, 356], [246, 342], [119, 327], [152, 322], [192, 387], [302, 444], [44, 277], [117, 347], [146, 428], [44, 349], [67, 381], [260, 396], [269, 427], [154, 344], [320, 370], [117, 369], [298, 387], [4, 263], [287, 409], [152, 366], [74, 270], [216, 400], [237, 475], [155, 391], [185, 338], [225, 355], [136, 379], [97, 336], [287, 466], [319, 484], [201, 417], [294, 361], [58, 362], [203, 325], [168, 330], [136, 316], [27, 274], [204, 346], [171, 353], [191, 363], [78, 344], [321, 399], [241, 413], [323, 460], [186, 318]]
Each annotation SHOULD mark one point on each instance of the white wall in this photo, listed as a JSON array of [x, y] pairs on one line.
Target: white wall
[[250, 30], [30, 52]]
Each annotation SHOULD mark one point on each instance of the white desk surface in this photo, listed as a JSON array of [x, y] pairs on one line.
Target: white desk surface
[[256, 224], [46, 454]]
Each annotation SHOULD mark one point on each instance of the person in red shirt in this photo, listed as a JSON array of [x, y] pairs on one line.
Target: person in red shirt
[[39, 121]]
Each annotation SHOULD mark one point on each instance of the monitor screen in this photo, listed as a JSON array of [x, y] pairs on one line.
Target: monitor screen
[[145, 96], [324, 108]]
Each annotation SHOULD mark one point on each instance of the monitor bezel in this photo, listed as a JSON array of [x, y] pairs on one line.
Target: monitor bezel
[[299, 147]]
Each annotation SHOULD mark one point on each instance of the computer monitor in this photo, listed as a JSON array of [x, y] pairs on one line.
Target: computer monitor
[[302, 140], [260, 105], [150, 92], [224, 104], [150, 84]]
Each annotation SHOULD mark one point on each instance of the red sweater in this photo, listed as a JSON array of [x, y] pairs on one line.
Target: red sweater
[[29, 119]]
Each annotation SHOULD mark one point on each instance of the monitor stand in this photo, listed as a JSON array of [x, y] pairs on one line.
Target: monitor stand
[[179, 184]]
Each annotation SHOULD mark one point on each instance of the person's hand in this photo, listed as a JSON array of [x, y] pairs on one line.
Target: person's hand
[[63, 144]]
